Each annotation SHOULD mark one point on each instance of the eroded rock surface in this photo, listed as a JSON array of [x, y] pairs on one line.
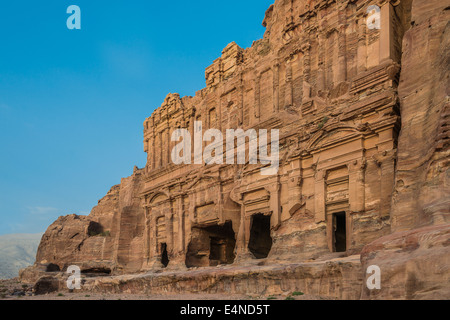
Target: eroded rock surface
[[104, 242], [422, 193], [414, 264]]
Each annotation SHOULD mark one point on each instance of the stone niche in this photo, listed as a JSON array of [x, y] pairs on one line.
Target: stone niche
[[211, 246]]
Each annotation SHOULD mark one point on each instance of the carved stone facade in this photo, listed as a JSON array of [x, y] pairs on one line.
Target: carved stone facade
[[329, 84], [363, 177]]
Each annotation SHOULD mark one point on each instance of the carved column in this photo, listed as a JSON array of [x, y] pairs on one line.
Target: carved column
[[241, 99], [146, 145], [152, 146], [295, 194], [342, 51], [167, 155], [170, 236], [146, 150], [275, 204], [321, 61], [276, 87], [289, 89], [151, 150], [153, 238], [356, 172], [387, 32], [258, 96], [160, 151], [319, 196], [207, 124], [244, 232], [191, 130], [181, 231], [220, 203], [147, 236], [362, 45], [192, 204], [306, 90]]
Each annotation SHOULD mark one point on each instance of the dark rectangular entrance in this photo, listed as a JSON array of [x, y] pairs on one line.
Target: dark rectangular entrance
[[211, 246], [260, 242], [164, 255], [340, 232]]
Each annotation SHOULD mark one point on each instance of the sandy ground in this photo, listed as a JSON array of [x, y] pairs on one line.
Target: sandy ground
[[12, 289]]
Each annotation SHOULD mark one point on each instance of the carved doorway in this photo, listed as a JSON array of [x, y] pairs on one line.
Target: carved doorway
[[340, 232], [260, 242], [211, 246], [164, 255]]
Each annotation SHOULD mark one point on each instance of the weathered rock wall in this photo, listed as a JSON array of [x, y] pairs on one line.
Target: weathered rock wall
[[130, 225], [338, 279], [107, 240], [415, 259], [422, 191], [414, 264]]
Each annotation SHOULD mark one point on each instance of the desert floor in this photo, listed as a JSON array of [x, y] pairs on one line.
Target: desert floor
[[12, 289]]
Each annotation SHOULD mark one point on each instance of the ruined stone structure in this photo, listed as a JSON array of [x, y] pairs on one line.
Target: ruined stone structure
[[329, 81]]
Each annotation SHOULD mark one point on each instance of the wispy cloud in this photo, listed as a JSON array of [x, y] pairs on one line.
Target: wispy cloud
[[42, 211]]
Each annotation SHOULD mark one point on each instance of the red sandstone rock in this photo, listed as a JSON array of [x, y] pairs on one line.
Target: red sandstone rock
[[414, 264], [422, 193], [348, 175]]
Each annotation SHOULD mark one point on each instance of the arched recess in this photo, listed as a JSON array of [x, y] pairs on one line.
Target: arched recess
[[157, 197]]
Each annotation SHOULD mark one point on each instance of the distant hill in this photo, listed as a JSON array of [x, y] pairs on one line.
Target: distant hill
[[17, 251]]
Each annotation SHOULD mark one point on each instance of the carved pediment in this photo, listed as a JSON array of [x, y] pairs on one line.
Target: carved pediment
[[257, 201], [202, 182], [334, 133], [206, 213], [158, 198]]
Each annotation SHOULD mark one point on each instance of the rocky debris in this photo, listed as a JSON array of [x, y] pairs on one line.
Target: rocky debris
[[13, 288], [338, 279], [46, 284], [414, 264]]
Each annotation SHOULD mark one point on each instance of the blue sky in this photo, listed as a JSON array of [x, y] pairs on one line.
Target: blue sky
[[73, 102]]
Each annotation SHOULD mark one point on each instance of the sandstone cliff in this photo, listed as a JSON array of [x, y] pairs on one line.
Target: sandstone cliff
[[105, 241], [415, 259], [422, 193]]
